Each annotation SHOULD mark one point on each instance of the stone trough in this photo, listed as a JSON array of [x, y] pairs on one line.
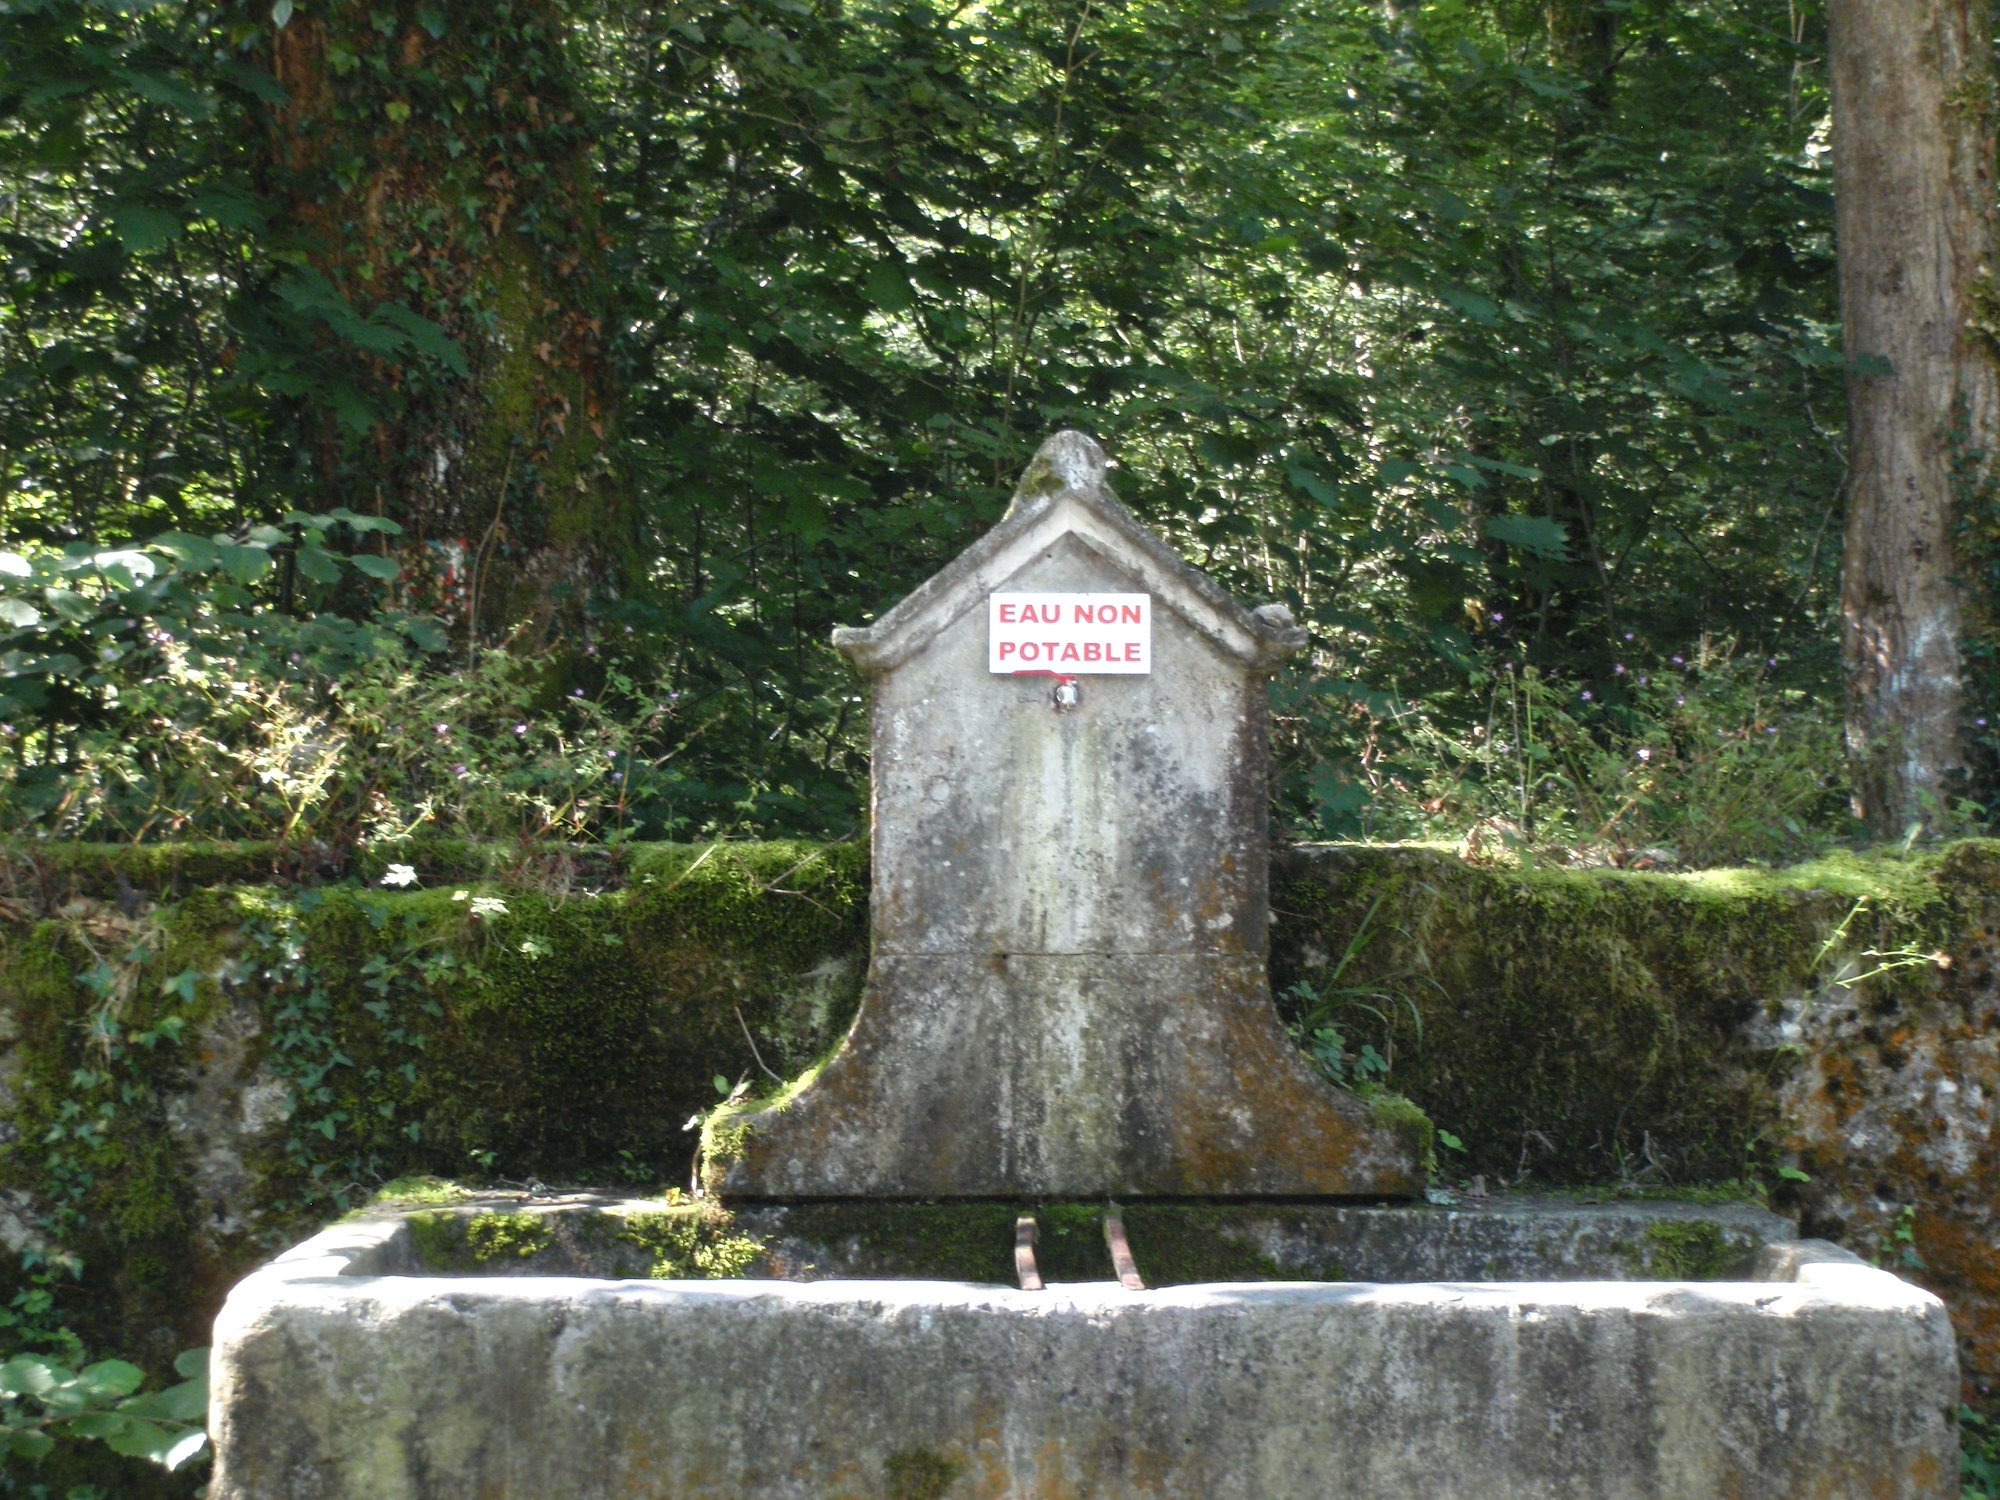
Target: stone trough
[[348, 1369], [1067, 1005]]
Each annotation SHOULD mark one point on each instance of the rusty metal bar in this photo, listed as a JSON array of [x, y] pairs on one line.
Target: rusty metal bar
[[1024, 1254], [1121, 1254]]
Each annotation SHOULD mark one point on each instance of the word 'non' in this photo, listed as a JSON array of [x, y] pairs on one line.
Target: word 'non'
[[1073, 634]]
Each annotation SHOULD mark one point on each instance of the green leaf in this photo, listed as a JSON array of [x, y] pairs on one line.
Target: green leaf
[[1536, 535], [281, 14], [112, 1377], [191, 1364], [13, 565], [721, 1083], [190, 551], [188, 1446], [359, 522], [887, 288], [31, 1375], [1479, 309], [143, 1439], [384, 568], [126, 569], [426, 635], [185, 1402], [245, 564], [142, 227], [19, 613], [318, 564], [31, 1443], [425, 337]]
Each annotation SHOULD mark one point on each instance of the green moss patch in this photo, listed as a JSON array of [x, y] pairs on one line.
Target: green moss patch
[[1689, 1250], [920, 1474]]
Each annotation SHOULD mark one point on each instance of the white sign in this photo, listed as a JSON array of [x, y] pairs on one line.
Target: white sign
[[1070, 635]]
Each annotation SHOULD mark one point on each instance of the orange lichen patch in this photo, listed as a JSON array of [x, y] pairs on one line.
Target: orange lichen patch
[[1961, 1263]]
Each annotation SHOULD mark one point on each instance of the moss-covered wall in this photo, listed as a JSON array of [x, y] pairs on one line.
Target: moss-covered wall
[[191, 1082], [1829, 1034], [208, 1049]]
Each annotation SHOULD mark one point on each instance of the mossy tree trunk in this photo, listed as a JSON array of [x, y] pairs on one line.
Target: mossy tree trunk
[[1913, 154], [434, 163]]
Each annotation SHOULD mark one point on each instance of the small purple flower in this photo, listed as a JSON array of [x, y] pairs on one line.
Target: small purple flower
[[1772, 662], [1586, 695], [520, 729], [617, 775], [1680, 703], [1645, 754], [1628, 635], [460, 772], [1677, 661], [443, 729], [1618, 671], [1980, 722], [576, 692], [1498, 618], [1643, 681]]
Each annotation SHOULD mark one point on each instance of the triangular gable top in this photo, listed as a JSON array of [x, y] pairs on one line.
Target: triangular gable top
[[1064, 491]]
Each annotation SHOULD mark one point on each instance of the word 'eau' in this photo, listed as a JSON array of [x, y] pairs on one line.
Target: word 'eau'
[[1081, 614]]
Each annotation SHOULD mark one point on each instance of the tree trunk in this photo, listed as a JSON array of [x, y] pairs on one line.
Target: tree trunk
[[431, 159], [1913, 151], [1583, 38]]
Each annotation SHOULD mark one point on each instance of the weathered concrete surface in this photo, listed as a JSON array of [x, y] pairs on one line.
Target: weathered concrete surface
[[1830, 1381], [1068, 992]]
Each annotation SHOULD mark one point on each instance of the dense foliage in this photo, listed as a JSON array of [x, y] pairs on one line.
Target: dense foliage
[[1503, 354]]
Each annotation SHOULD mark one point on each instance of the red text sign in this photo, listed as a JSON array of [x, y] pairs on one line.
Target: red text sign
[[1072, 635]]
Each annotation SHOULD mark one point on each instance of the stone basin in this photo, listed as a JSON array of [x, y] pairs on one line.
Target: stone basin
[[429, 1353]]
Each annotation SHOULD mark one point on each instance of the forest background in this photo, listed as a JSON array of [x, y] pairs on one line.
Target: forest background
[[427, 420], [473, 419]]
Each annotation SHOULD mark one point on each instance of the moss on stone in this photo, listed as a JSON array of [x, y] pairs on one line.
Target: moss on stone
[[1685, 1250], [421, 1190], [1179, 1244], [1403, 1116], [1574, 1023], [920, 1474], [691, 1241], [498, 1236], [449, 1243], [438, 1240]]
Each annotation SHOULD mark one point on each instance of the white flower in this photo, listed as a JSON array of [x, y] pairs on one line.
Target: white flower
[[399, 875]]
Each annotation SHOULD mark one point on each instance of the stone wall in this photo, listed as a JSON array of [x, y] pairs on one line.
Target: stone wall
[[1828, 1034], [209, 1050]]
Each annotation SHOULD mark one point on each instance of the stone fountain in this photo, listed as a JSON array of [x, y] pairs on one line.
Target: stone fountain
[[1067, 1014]]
